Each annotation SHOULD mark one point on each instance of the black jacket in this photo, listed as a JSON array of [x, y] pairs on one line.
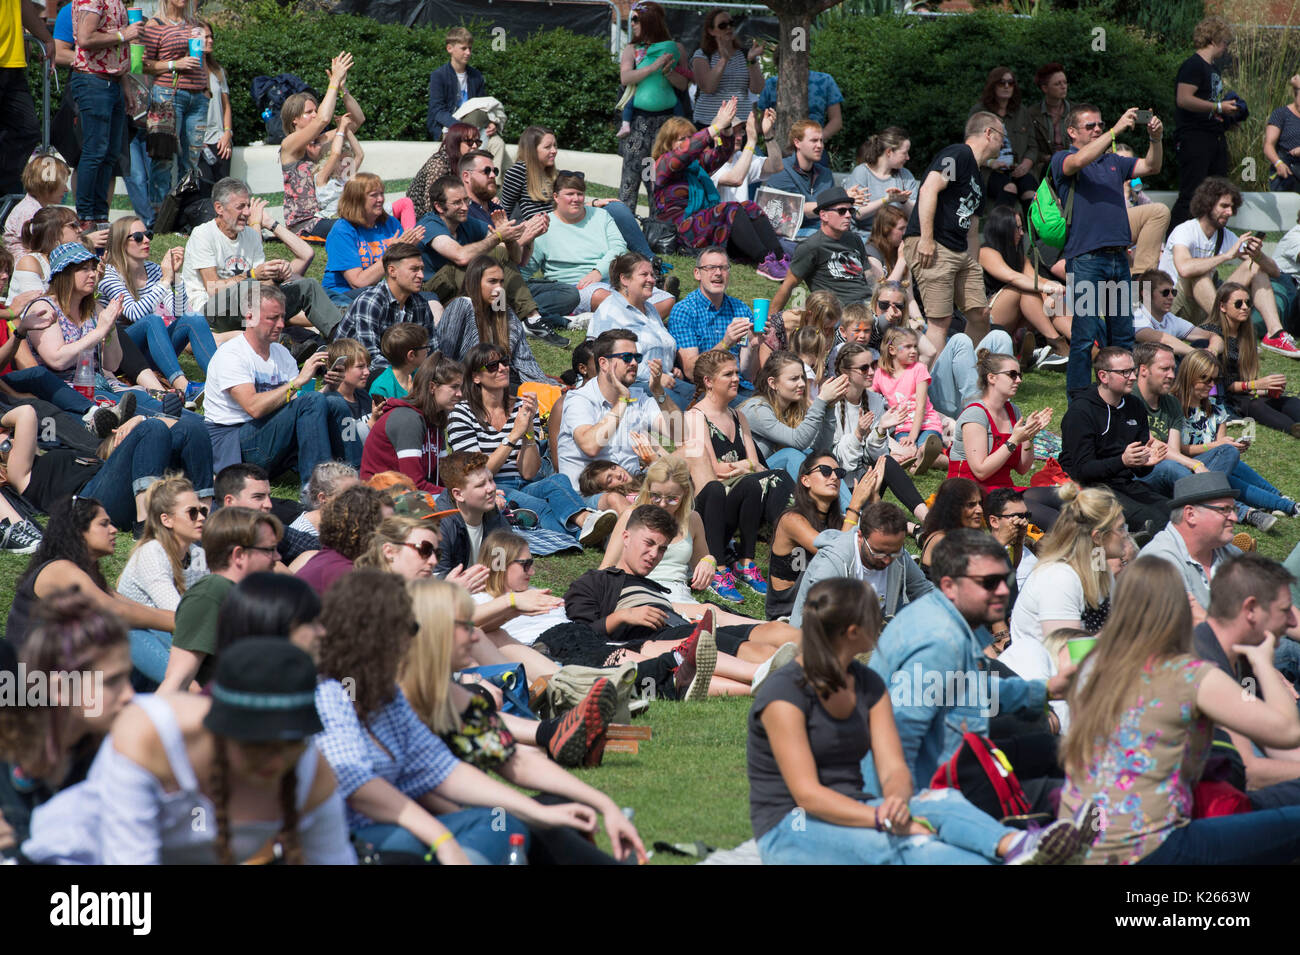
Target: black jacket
[[1094, 436], [454, 546], [595, 595]]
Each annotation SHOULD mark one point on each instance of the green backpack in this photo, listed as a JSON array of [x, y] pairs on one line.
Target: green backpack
[[1048, 221]]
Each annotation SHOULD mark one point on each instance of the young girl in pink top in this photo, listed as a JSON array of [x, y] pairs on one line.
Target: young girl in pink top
[[904, 381]]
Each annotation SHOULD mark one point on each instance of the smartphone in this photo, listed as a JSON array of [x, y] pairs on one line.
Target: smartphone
[[340, 363], [1143, 117]]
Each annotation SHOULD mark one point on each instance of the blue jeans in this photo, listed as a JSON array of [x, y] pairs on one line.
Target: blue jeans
[[1256, 491], [1263, 837], [553, 498], [628, 227], [191, 123], [963, 835], [42, 383], [309, 429], [149, 652], [485, 840], [953, 381], [1091, 300], [137, 184], [143, 456], [163, 345], [345, 299], [1164, 475], [103, 121]]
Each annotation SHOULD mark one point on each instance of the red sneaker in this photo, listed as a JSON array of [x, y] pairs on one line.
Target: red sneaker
[[584, 725], [1282, 343]]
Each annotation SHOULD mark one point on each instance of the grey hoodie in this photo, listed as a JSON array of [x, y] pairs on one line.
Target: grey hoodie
[[816, 432], [904, 581]]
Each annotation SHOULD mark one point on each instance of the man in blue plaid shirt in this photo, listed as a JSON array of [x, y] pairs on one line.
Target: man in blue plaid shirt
[[710, 318], [396, 299]]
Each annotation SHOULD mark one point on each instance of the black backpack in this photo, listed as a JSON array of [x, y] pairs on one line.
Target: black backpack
[[269, 94]]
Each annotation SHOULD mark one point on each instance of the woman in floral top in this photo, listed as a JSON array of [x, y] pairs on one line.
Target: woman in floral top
[[685, 195], [1144, 709], [1205, 426]]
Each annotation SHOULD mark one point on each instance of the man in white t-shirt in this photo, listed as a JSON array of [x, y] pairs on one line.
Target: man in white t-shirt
[[254, 405], [225, 260], [1196, 248], [1154, 322]]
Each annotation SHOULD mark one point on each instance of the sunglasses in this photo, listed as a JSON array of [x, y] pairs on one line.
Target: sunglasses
[[665, 500], [139, 236], [726, 25], [886, 306], [1013, 375], [472, 142], [840, 210], [194, 512], [425, 549], [631, 357], [825, 470], [527, 565], [1013, 516], [990, 582], [495, 365], [634, 19], [489, 171], [1240, 303], [576, 173], [1092, 126], [1006, 82], [1164, 291]]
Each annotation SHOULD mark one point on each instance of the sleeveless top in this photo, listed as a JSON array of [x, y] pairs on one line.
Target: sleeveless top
[[1002, 477], [727, 450], [20, 614], [674, 569], [301, 207]]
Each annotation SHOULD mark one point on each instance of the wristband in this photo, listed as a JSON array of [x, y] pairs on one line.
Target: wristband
[[713, 561], [852, 510], [252, 273], [120, 38], [436, 845], [288, 395], [625, 400], [850, 523], [513, 605]]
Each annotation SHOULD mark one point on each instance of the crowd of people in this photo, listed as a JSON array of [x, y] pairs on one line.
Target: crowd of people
[[353, 667]]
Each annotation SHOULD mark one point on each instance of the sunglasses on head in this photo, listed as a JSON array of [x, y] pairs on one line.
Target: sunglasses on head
[[526, 564], [495, 365], [825, 470], [139, 236], [577, 174], [990, 582], [194, 512], [425, 549]]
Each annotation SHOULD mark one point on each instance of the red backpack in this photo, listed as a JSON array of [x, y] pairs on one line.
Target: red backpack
[[983, 774]]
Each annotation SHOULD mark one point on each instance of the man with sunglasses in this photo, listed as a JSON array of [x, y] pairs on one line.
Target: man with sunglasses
[[1106, 441], [873, 551], [932, 657], [395, 300], [1096, 247], [832, 259], [1154, 320]]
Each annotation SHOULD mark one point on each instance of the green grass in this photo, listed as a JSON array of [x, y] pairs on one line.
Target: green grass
[[688, 783]]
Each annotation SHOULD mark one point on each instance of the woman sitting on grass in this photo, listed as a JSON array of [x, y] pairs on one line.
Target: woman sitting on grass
[[813, 723], [355, 246], [959, 502], [482, 315]]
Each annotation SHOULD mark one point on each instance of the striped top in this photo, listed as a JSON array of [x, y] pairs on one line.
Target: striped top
[[467, 433], [156, 298], [733, 82], [171, 41], [514, 195]]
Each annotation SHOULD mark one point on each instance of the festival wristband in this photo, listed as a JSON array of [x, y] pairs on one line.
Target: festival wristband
[[513, 606]]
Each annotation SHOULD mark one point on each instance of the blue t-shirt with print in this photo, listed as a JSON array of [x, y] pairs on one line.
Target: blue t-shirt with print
[[1100, 217], [355, 247], [823, 93]]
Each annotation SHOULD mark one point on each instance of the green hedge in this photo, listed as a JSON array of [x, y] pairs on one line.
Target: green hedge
[[553, 78], [925, 76]]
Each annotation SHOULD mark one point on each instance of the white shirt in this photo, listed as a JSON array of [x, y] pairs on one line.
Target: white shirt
[[1287, 253], [527, 628], [1200, 245], [209, 248], [1052, 592], [235, 363], [741, 192], [586, 405], [1170, 324], [653, 340], [876, 578]]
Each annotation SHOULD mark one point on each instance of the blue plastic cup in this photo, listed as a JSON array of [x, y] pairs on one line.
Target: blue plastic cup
[[761, 306], [196, 49]]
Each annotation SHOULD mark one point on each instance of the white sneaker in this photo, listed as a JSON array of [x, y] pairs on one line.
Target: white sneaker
[[580, 321], [1046, 358], [786, 653], [596, 531]]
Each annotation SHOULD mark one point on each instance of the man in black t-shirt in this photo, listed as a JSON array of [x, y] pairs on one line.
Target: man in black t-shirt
[[942, 240], [1201, 116], [833, 258]]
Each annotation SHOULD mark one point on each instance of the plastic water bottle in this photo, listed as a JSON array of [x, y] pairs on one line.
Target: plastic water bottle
[[83, 379], [136, 15], [517, 855]]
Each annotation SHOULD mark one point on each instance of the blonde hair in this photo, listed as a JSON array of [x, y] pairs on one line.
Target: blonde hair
[[346, 348], [46, 177], [116, 254], [1196, 364], [159, 499], [822, 312], [1150, 622], [392, 530], [425, 675], [672, 130], [499, 550], [676, 470], [1058, 639], [1087, 510], [893, 336], [813, 348]]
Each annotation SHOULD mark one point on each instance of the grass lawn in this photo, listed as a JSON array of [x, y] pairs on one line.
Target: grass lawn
[[688, 783]]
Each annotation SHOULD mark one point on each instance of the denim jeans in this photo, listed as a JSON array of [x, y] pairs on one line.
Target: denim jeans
[[555, 301], [309, 429], [1090, 300], [191, 109], [163, 345], [137, 183], [1164, 475], [1262, 837], [1256, 491], [149, 652], [483, 833], [143, 456], [629, 227], [953, 382], [42, 383], [553, 498], [963, 835], [344, 300], [103, 121]]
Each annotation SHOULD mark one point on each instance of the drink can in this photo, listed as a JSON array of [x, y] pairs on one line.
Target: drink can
[[196, 48]]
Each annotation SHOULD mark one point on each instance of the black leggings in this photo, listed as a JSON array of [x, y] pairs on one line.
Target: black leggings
[[752, 239], [744, 508], [1276, 413], [898, 481], [563, 845]]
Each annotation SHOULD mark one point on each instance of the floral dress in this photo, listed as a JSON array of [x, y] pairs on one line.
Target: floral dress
[[301, 207], [711, 226]]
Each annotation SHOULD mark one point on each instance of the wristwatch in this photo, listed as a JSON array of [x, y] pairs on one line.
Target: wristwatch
[[1013, 448]]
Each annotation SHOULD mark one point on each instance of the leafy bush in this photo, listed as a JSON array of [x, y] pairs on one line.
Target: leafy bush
[[926, 75]]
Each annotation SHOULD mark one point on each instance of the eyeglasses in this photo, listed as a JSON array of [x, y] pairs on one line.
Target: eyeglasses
[[1013, 375], [990, 582], [526, 564], [265, 550], [894, 555], [192, 512], [665, 500], [1013, 516], [631, 357], [139, 236], [576, 173], [1227, 510], [425, 549], [1129, 372], [825, 470], [861, 369], [1006, 82], [1240, 303], [467, 624], [495, 365], [725, 267]]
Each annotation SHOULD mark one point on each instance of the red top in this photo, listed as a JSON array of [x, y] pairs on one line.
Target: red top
[[105, 60], [1002, 476], [408, 444]]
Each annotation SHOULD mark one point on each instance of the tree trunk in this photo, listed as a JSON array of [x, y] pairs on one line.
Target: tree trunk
[[792, 77]]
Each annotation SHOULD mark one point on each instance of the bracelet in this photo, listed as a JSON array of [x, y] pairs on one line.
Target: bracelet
[[252, 273], [852, 510], [437, 843], [288, 395], [513, 605], [850, 523], [120, 38], [713, 561], [625, 399]]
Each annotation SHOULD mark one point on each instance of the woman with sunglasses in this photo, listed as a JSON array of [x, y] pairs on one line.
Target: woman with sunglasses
[[1016, 296], [722, 68], [653, 69], [482, 314], [1010, 176], [1205, 427], [885, 256], [1247, 393], [154, 313], [509, 439], [993, 439]]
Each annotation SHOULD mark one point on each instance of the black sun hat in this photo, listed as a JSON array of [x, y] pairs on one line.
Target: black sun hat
[[264, 692]]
